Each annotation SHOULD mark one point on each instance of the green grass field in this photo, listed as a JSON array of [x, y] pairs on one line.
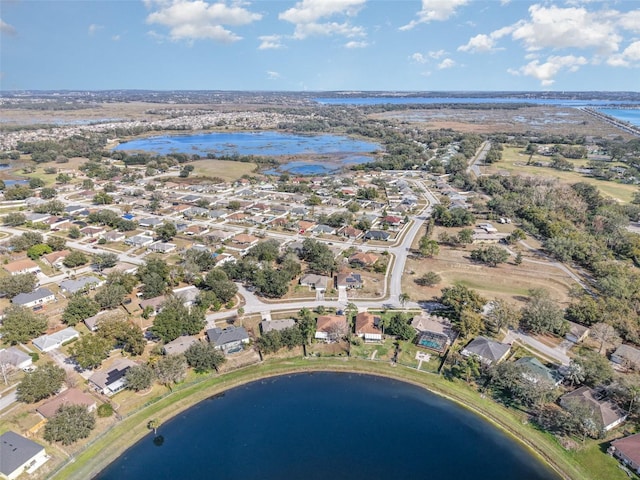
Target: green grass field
[[514, 160], [225, 169]]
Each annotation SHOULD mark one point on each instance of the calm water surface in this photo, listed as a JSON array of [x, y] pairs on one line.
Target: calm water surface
[[327, 426], [251, 143]]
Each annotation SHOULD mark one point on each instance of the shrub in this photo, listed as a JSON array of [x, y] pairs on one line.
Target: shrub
[[105, 410]]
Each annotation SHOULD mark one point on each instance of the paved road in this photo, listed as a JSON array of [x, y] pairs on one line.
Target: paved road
[[558, 354], [7, 399], [481, 154]]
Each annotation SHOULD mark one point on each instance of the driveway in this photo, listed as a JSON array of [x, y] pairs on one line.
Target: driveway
[[557, 354]]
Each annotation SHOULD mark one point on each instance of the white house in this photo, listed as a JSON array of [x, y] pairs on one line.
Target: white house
[[46, 343], [19, 455], [40, 296]]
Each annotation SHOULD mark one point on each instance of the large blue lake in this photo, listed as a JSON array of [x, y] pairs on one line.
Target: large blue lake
[[328, 426], [401, 100], [252, 143]]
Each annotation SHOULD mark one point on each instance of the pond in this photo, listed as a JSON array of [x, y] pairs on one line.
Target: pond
[[327, 425]]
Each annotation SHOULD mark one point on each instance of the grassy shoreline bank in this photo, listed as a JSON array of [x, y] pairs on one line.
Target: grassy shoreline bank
[[107, 447]]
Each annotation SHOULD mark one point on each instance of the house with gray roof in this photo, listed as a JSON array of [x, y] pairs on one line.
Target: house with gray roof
[[139, 240], [46, 343], [19, 455], [111, 380], [229, 340], [188, 295], [81, 284], [162, 247], [605, 412], [40, 296], [179, 345], [377, 235], [627, 356], [486, 350], [15, 358], [534, 371]]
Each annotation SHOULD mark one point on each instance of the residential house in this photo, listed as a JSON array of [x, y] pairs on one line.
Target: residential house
[[331, 327], [188, 295], [242, 242], [19, 455], [22, 266], [368, 327], [46, 343], [324, 230], [350, 232], [71, 396], [305, 226], [162, 247], [15, 358], [627, 450], [229, 340], [179, 345], [121, 267], [74, 209], [58, 223], [37, 217], [150, 222], [349, 280], [219, 236], [606, 413], [38, 297], [154, 303], [81, 284], [196, 230], [392, 221], [111, 380], [114, 236], [535, 371], [55, 259], [486, 350], [627, 356], [267, 326], [577, 333], [377, 235], [434, 332], [363, 259], [315, 282], [139, 240], [92, 322], [92, 232]]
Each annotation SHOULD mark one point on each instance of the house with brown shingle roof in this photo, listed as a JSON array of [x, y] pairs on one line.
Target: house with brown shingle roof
[[363, 259], [368, 327], [331, 327], [55, 258], [22, 266], [627, 450], [71, 396], [605, 412]]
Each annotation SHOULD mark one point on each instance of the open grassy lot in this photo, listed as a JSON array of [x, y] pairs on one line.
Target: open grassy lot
[[514, 161], [225, 169], [383, 351], [506, 281]]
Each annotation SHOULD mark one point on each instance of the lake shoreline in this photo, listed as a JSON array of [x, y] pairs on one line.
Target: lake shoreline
[[106, 448]]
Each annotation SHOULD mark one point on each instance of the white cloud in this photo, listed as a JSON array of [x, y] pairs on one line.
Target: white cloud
[[630, 21], [196, 19], [311, 18], [6, 28], [435, 10], [271, 75], [270, 42], [355, 44], [557, 28], [115, 38], [545, 72], [629, 57], [436, 54], [485, 43], [309, 11], [94, 28], [418, 58], [446, 63]]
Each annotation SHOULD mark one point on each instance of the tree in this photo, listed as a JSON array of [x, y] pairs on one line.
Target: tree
[[306, 324], [319, 256], [503, 315], [69, 424], [596, 368], [399, 326], [15, 284], [218, 282], [465, 235], [140, 377], [122, 334], [542, 315], [491, 255], [102, 198], [154, 275], [41, 383], [74, 232], [466, 367], [105, 260], [404, 298], [63, 178], [56, 243], [171, 369], [48, 193], [429, 279], [36, 251], [14, 219], [175, 320], [575, 373], [75, 259], [154, 424], [20, 325], [460, 297], [204, 357], [110, 295], [90, 351], [166, 231], [605, 334], [79, 308], [428, 247], [469, 323]]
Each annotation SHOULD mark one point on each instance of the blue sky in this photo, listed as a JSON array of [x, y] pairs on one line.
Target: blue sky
[[320, 45]]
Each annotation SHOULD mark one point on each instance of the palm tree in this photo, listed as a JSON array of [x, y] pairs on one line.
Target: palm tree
[[575, 373], [404, 298], [153, 425]]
